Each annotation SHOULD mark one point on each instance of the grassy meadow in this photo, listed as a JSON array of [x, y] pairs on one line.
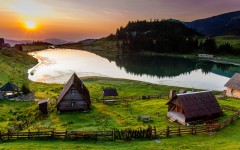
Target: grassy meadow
[[14, 68], [231, 39]]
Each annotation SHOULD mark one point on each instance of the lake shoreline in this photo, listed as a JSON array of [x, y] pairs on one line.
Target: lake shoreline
[[52, 78]]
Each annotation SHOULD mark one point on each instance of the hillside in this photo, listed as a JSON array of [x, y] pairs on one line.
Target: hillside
[[224, 24], [157, 36], [14, 65]]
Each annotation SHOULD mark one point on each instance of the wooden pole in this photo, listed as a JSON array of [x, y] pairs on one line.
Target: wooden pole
[[167, 131], [1, 135], [8, 134], [29, 134], [179, 130]]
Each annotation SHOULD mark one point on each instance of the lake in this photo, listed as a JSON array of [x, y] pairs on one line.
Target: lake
[[57, 65]]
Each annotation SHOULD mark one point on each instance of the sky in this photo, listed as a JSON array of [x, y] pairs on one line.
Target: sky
[[75, 20]]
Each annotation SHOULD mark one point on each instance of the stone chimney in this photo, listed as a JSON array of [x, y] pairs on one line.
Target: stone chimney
[[172, 94]]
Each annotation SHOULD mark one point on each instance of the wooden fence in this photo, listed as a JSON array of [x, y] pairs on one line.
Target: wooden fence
[[108, 135], [196, 129], [115, 134], [130, 98]]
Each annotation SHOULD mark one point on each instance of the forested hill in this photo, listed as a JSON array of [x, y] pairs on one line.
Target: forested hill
[[158, 36], [224, 24]]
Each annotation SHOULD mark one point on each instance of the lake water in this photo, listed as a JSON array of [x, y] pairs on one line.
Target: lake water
[[57, 65]]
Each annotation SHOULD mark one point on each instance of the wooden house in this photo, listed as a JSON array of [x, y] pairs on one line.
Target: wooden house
[[74, 96], [9, 90], [233, 86], [43, 106], [109, 94], [188, 107]]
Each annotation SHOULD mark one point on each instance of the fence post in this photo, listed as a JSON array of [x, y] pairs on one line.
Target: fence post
[[66, 135], [28, 133], [8, 134], [155, 131], [52, 135], [167, 131], [179, 130], [38, 133], [113, 138]]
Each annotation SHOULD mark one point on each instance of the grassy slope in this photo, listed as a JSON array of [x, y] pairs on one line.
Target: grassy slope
[[101, 47], [106, 116], [231, 39], [14, 65], [226, 139]]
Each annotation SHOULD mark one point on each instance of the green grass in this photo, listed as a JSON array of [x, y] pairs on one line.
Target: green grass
[[29, 48], [231, 39], [14, 68], [102, 47], [14, 65], [12, 111], [228, 138]]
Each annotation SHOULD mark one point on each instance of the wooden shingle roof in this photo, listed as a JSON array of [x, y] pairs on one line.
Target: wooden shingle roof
[[9, 87], [80, 87], [234, 82], [197, 104], [110, 92]]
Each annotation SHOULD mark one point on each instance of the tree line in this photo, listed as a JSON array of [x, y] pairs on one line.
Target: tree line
[[166, 36]]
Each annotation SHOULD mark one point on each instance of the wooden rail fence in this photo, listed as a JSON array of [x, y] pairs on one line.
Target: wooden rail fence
[[115, 134], [108, 135]]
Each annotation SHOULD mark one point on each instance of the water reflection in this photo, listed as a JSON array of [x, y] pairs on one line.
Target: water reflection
[[165, 66], [58, 65]]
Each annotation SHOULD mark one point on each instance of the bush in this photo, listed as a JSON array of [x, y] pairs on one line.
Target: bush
[[25, 89]]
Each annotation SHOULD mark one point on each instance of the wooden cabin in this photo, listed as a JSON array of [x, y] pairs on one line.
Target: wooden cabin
[[9, 90], [109, 95], [74, 96], [188, 107], [233, 86], [43, 106]]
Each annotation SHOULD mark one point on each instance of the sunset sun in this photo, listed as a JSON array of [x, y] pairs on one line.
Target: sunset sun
[[30, 24]]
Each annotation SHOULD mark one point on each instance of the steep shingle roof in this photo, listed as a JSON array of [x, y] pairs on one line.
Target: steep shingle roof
[[9, 87], [110, 92], [197, 104], [234, 82], [78, 84]]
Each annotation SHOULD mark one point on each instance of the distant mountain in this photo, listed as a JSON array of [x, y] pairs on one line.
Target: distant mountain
[[55, 41], [224, 24], [87, 41], [14, 42]]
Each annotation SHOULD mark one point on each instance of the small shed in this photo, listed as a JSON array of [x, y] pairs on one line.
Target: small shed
[[233, 86], [43, 106], [188, 107], [9, 89], [74, 96], [110, 94]]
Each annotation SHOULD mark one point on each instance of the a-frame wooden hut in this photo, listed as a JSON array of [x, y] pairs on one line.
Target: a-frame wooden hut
[[188, 107], [74, 96]]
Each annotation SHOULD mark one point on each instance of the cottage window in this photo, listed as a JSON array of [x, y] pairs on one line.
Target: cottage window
[[73, 91], [73, 104]]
